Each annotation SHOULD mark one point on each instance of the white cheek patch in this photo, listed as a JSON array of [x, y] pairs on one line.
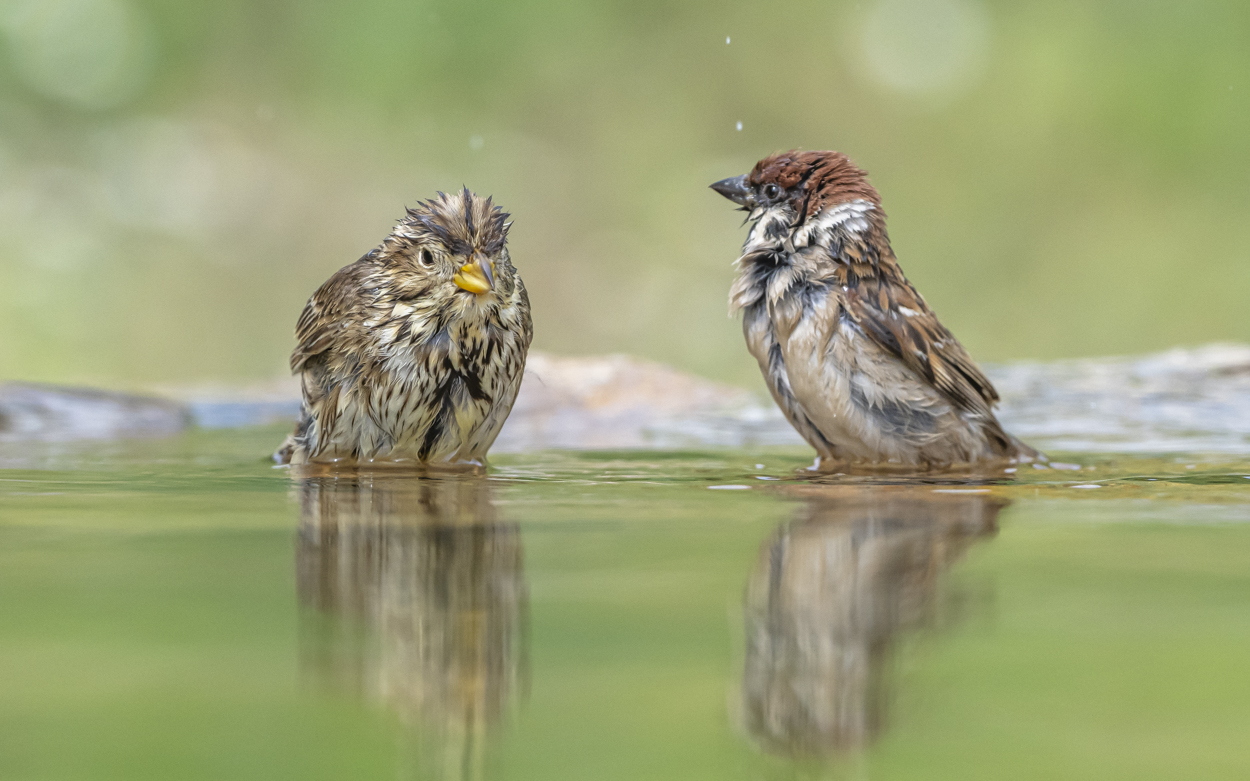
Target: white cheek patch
[[772, 219], [850, 217]]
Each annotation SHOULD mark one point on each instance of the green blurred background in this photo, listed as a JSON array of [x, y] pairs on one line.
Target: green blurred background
[[1064, 178]]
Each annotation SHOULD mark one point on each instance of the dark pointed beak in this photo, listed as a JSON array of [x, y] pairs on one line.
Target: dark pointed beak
[[734, 188]]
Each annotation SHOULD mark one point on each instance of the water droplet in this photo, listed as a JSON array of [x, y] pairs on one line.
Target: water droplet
[[739, 125], [727, 43], [729, 487]]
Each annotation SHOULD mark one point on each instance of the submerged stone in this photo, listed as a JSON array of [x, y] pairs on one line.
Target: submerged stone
[[1184, 400], [50, 413], [1195, 400]]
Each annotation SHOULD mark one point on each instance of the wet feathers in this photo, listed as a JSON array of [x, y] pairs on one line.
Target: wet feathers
[[399, 359], [850, 350]]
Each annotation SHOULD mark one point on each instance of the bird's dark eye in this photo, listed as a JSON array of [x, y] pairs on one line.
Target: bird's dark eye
[[771, 191], [425, 257]]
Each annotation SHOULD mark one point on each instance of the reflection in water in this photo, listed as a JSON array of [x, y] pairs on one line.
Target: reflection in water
[[427, 600], [826, 599]]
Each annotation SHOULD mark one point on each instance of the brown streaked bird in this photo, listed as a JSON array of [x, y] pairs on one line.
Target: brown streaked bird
[[851, 352], [414, 353]]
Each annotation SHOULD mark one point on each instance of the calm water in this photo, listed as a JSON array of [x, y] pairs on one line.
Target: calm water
[[183, 610]]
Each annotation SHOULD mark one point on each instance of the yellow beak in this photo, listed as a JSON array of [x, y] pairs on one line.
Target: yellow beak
[[476, 276]]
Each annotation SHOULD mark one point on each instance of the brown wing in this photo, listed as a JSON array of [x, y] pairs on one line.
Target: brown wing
[[325, 315], [885, 306]]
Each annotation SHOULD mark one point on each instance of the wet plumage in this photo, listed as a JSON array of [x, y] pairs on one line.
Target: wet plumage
[[851, 352], [415, 352]]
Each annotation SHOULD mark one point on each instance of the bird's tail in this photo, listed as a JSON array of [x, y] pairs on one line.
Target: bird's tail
[[284, 452], [1010, 447], [1025, 454], [295, 441]]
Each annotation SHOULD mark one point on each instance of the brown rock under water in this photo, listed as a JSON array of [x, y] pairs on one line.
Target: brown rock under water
[[51, 413], [1183, 400]]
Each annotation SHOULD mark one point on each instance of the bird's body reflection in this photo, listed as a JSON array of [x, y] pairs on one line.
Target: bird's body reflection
[[829, 594], [425, 594]]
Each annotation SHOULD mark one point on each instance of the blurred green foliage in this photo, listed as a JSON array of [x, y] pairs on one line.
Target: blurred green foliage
[[1063, 178]]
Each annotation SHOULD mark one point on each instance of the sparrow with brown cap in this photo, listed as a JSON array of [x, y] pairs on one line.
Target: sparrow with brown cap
[[849, 349]]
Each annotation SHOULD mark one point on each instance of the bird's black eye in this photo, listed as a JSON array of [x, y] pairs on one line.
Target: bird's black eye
[[771, 191], [425, 257]]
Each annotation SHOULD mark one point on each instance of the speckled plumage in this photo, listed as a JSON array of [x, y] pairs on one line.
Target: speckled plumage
[[399, 362], [851, 352]]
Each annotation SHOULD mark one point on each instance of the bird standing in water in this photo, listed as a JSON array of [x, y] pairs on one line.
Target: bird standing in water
[[851, 352], [414, 353]]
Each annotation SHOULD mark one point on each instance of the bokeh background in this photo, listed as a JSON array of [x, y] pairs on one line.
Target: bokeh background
[[1063, 178]]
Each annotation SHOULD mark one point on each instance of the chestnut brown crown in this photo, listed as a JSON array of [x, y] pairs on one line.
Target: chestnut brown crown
[[807, 182]]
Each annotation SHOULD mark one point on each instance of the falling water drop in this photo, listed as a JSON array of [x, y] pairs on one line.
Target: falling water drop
[[739, 124], [727, 43]]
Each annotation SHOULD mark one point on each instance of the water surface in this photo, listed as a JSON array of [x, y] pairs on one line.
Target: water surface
[[181, 609]]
